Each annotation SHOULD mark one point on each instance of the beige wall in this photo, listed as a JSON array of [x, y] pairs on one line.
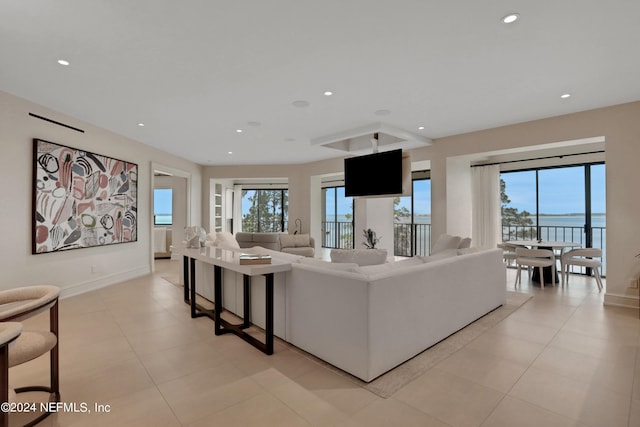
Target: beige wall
[[72, 270]]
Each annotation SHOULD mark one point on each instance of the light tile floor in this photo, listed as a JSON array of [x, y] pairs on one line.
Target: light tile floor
[[562, 359]]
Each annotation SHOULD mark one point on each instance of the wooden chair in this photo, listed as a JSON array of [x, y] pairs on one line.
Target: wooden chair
[[9, 331], [20, 304]]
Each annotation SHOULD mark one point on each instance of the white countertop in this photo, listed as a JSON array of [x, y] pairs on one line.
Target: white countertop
[[231, 260]]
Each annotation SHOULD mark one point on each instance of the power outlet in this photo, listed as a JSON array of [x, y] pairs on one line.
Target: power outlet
[[633, 283], [94, 269]]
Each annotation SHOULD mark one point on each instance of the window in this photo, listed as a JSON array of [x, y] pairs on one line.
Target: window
[[565, 204], [412, 219], [337, 223], [162, 206], [265, 210]]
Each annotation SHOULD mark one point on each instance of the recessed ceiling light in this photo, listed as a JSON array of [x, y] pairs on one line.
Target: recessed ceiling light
[[141, 124], [239, 130], [510, 18], [229, 152], [328, 93], [565, 95], [420, 127], [382, 112], [63, 62], [300, 103]]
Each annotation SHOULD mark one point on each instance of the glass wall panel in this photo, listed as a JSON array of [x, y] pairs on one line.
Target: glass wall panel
[[561, 213], [264, 210], [162, 206], [518, 197]]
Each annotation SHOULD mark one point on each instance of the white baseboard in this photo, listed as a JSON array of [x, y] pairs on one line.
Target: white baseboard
[[616, 300], [103, 281]]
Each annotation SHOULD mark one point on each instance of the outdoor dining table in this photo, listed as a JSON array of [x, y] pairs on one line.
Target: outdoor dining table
[[550, 273]]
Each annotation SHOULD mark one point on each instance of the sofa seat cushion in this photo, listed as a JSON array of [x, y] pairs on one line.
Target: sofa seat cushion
[[359, 256], [303, 251]]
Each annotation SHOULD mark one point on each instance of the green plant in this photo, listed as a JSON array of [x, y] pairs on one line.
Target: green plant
[[371, 238]]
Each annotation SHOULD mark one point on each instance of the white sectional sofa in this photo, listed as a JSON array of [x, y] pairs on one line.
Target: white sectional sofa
[[367, 320]]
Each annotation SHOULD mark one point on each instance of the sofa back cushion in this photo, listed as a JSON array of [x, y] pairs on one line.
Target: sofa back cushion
[[444, 242], [359, 256], [287, 241], [371, 270], [347, 266]]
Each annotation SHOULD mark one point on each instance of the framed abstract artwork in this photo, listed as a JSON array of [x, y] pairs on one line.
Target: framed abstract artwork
[[81, 199]]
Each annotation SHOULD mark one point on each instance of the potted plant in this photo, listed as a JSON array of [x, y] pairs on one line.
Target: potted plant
[[371, 239]]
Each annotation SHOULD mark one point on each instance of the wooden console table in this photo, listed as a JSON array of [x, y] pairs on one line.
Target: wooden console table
[[227, 259]]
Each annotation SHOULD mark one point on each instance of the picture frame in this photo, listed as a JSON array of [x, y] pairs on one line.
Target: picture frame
[[81, 199]]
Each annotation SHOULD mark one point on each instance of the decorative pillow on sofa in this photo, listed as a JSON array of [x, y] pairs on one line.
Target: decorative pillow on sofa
[[465, 243], [444, 242], [447, 253], [225, 240], [287, 241], [301, 240]]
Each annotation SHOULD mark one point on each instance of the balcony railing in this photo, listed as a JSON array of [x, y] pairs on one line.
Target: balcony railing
[[337, 235], [560, 233], [409, 239]]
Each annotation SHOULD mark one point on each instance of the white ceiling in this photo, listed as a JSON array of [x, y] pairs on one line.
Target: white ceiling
[[194, 71]]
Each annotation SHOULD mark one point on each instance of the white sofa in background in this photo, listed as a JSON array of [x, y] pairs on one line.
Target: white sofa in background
[[297, 244], [366, 320]]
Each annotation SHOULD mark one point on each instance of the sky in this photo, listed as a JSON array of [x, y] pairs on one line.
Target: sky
[[561, 190]]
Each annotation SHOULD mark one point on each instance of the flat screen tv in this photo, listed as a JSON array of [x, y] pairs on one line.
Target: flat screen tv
[[377, 174]]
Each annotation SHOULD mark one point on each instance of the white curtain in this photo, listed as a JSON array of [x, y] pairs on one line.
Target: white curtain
[[237, 208], [486, 223]]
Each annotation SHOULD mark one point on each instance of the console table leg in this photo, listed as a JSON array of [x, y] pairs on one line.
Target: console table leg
[[217, 295], [247, 300], [192, 286], [269, 313], [185, 277]]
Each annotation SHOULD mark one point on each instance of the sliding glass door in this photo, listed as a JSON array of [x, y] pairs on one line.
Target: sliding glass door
[[565, 204], [337, 224]]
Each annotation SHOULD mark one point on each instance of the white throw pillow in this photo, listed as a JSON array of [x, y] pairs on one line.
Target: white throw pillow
[[287, 241], [448, 253], [465, 243], [444, 242], [301, 240], [224, 239]]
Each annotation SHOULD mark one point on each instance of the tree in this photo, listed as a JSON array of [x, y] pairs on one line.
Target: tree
[[403, 229], [511, 217], [267, 212]]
